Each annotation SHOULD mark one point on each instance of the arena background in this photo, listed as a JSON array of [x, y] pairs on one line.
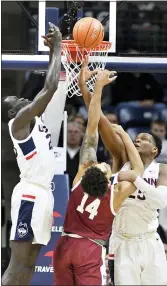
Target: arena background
[[134, 101]]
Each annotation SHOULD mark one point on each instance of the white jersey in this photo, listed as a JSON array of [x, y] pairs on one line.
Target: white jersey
[[137, 214], [35, 155]]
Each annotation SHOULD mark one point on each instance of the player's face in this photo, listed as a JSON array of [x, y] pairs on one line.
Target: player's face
[[105, 168], [144, 143], [20, 103], [74, 135], [16, 103]]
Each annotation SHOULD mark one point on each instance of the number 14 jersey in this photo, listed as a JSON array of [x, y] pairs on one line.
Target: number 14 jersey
[[35, 155], [88, 216]]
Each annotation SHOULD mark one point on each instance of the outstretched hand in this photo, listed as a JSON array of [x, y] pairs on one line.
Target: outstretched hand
[[105, 77], [85, 73], [54, 36]]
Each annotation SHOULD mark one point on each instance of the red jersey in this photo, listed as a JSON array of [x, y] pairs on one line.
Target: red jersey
[[89, 216]]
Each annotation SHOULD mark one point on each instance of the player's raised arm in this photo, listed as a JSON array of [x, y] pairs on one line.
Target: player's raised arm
[[111, 140], [124, 189], [48, 42], [39, 104], [90, 141]]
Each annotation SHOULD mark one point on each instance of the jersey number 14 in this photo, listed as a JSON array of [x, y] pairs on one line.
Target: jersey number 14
[[92, 208]]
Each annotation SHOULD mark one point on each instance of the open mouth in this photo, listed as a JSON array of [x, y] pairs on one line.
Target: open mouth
[[137, 146]]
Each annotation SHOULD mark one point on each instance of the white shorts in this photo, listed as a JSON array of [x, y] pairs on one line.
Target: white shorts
[[138, 261], [31, 213]]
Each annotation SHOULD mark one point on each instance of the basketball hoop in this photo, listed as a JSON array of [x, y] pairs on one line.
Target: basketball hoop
[[72, 56]]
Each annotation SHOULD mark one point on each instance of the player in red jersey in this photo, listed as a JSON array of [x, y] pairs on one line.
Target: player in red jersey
[[79, 257]]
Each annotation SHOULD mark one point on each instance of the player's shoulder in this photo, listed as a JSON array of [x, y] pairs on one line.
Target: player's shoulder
[[163, 168], [76, 185], [39, 120], [39, 124], [154, 166], [162, 175]]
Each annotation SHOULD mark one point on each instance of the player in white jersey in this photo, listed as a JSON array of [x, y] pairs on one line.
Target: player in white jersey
[[136, 222], [32, 199], [135, 247]]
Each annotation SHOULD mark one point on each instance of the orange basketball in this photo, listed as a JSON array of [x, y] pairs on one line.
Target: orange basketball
[[88, 32]]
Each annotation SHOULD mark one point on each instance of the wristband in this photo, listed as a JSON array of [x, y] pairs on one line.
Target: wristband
[[142, 185], [157, 196]]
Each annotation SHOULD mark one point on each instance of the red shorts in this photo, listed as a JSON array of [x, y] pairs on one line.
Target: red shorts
[[79, 261]]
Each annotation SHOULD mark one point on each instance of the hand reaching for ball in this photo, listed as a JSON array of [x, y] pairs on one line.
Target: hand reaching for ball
[[85, 73], [53, 37], [105, 77]]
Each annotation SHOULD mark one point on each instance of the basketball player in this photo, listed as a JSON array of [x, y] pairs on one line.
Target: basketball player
[[79, 258], [135, 244], [32, 199], [138, 250]]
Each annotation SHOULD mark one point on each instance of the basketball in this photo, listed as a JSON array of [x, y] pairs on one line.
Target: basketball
[[88, 32]]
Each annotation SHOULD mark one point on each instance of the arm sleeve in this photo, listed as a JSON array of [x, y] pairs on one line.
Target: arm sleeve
[[157, 196]]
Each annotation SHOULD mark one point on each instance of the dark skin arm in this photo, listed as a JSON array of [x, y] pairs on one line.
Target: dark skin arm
[[24, 117], [111, 140], [48, 42]]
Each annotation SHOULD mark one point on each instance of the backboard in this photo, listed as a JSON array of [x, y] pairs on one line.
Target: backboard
[[54, 14]]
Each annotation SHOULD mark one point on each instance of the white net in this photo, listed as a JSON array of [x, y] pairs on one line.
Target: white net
[[72, 56]]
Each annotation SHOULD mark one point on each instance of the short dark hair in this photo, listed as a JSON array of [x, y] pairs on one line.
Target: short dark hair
[[158, 143], [94, 182], [159, 122]]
